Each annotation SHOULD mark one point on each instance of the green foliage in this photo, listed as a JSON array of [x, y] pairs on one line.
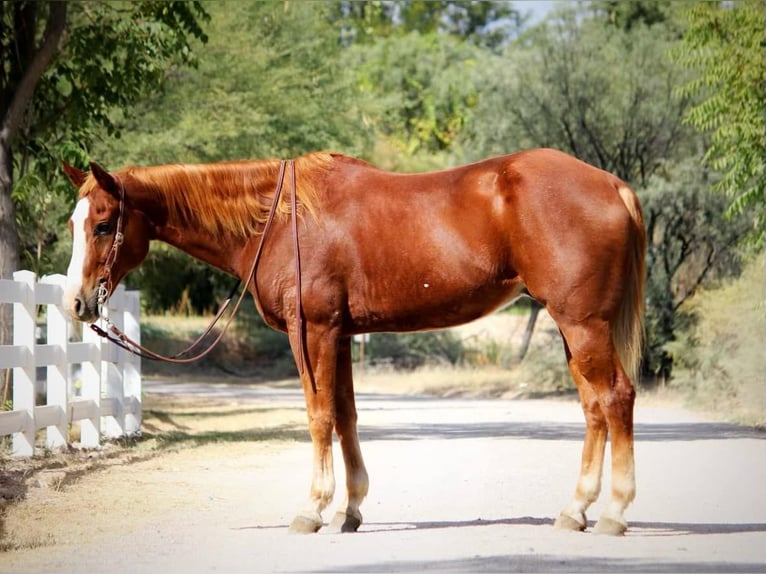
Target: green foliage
[[627, 14], [44, 202], [724, 44], [415, 85], [269, 83], [488, 24], [600, 92], [181, 283], [112, 55]]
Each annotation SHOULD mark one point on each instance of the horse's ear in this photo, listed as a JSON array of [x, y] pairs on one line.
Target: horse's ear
[[105, 179], [75, 175]]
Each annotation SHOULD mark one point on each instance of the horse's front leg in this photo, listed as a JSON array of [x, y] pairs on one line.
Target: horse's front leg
[[318, 380], [348, 518]]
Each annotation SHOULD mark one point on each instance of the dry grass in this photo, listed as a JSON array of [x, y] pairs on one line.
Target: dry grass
[[721, 361]]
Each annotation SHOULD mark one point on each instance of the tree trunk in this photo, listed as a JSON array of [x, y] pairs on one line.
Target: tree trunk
[[9, 241], [13, 115]]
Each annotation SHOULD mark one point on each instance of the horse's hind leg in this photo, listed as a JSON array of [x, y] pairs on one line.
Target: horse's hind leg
[[608, 396], [348, 518]]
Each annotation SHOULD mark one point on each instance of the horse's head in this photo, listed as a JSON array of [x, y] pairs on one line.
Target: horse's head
[[110, 236]]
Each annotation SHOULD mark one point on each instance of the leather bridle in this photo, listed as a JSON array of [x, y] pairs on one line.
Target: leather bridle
[[118, 337]]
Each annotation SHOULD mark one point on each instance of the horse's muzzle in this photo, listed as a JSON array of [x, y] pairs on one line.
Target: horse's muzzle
[[82, 308]]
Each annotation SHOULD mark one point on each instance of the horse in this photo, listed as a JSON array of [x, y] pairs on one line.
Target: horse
[[358, 249]]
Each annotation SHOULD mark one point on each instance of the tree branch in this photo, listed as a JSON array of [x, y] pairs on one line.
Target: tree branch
[[709, 261], [54, 29]]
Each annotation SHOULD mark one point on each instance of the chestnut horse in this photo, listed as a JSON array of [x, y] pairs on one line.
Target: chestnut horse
[[384, 251]]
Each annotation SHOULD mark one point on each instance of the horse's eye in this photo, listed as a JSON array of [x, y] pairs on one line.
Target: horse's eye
[[102, 228]]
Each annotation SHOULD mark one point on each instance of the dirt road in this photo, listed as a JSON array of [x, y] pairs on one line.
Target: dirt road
[[456, 485]]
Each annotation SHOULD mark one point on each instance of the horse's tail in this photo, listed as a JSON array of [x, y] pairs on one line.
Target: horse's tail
[[628, 331]]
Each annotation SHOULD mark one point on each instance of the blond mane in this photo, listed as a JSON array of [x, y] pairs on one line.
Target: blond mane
[[228, 197]]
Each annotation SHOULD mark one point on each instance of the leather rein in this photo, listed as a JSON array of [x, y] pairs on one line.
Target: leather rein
[[119, 338]]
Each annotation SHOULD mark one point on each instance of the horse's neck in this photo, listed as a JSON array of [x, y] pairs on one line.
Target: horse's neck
[[208, 211]]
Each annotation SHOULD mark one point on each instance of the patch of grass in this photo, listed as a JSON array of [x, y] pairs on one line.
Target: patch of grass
[[13, 543]]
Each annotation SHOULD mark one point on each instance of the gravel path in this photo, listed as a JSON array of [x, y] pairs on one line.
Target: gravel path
[[456, 485]]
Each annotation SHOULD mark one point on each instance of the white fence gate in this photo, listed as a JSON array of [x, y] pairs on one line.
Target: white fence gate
[[103, 395]]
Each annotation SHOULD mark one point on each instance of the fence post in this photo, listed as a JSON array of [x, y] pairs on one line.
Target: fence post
[[105, 369], [90, 427], [132, 365], [57, 333], [24, 376], [111, 370]]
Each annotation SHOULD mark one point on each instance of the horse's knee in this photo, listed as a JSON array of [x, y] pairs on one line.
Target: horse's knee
[[321, 425]]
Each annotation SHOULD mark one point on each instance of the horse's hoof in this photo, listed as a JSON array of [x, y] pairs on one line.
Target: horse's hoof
[[303, 524], [566, 522], [343, 522], [610, 526]]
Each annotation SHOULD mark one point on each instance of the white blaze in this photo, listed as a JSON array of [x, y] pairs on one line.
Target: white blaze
[[75, 270]]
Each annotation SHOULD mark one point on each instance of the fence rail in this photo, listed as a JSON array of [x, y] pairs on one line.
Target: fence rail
[[103, 395]]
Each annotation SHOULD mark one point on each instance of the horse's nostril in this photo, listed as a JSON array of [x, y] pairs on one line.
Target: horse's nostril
[[79, 305]]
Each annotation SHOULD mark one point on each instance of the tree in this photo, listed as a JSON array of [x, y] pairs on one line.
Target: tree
[[578, 83], [66, 67], [29, 55], [625, 15], [724, 44], [270, 83], [687, 247]]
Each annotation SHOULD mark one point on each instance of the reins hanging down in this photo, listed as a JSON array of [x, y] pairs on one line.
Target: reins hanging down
[[302, 356], [122, 340]]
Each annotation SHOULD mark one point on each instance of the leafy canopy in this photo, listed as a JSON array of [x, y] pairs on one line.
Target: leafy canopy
[[578, 83], [112, 54], [488, 24], [269, 83], [724, 45]]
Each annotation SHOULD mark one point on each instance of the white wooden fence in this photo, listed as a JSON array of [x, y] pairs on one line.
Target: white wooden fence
[[103, 394]]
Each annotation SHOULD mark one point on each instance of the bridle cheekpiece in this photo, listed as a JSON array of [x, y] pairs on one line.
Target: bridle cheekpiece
[[105, 281]]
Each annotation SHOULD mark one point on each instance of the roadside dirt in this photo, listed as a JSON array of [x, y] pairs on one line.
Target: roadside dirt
[[175, 429]]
